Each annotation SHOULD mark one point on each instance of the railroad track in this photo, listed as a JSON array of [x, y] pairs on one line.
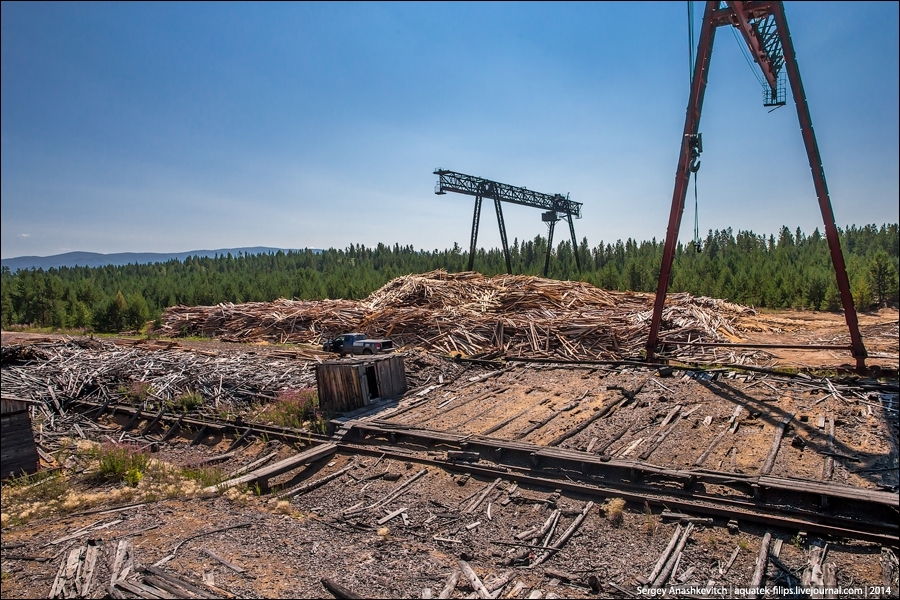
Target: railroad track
[[792, 504]]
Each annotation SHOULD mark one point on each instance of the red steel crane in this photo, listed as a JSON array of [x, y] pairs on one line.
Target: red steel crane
[[764, 28]]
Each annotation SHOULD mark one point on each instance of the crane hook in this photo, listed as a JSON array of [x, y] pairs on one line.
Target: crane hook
[[695, 163], [695, 141]]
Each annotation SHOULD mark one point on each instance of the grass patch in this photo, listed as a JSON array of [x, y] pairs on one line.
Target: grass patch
[[294, 408], [135, 391], [122, 462], [188, 401], [205, 475]]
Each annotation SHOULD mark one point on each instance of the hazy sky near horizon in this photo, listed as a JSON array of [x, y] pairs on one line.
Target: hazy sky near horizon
[[166, 127]]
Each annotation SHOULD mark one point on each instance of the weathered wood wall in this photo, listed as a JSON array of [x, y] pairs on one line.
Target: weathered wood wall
[[17, 450], [343, 385]]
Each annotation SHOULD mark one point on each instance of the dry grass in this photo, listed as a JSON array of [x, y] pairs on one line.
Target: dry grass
[[650, 522], [99, 475], [614, 509]]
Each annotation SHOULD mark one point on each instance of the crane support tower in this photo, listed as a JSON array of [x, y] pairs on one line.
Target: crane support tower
[[764, 28], [555, 206]]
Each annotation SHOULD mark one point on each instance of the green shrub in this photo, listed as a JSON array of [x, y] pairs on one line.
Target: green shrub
[[204, 475], [188, 401], [292, 407], [122, 462], [135, 391]]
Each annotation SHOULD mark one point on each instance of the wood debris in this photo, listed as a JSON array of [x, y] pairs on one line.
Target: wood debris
[[469, 314]]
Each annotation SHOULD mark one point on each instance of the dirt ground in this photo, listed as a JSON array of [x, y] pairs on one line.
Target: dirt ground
[[285, 548]]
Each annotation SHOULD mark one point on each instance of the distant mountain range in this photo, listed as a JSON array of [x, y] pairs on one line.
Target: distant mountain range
[[94, 259]]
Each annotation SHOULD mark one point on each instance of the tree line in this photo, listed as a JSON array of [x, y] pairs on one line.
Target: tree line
[[790, 270]]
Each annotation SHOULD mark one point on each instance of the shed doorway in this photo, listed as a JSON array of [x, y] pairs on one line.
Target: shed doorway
[[372, 380]]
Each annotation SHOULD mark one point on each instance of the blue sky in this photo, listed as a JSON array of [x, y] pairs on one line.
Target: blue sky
[[169, 127]]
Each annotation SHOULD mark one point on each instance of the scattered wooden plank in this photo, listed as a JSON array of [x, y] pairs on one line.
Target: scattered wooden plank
[[250, 466], [339, 591], [603, 412], [812, 574], [725, 569], [733, 421], [558, 544], [391, 515], [311, 455], [506, 422], [143, 591], [660, 438], [122, 560], [688, 573], [669, 566], [450, 584], [474, 581], [189, 585], [86, 580], [311, 485], [484, 494], [828, 467], [776, 444], [657, 568], [762, 561], [237, 569]]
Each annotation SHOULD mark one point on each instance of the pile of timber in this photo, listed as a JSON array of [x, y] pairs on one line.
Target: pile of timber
[[470, 314], [59, 372]]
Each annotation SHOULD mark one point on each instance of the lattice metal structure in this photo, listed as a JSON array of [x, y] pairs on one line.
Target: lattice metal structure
[[556, 206], [764, 28]]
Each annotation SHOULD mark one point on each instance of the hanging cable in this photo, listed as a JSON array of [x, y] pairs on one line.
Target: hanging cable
[[690, 15], [695, 141], [698, 245], [746, 54]]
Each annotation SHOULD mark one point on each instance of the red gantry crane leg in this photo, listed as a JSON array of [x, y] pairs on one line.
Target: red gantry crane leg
[[765, 30]]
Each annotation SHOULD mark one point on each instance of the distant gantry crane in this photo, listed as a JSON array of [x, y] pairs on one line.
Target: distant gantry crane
[[556, 206], [764, 29]]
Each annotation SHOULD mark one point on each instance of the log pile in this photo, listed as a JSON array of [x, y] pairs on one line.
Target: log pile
[[470, 314]]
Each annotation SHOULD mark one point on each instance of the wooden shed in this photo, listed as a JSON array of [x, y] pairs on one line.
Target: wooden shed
[[348, 384], [18, 452]]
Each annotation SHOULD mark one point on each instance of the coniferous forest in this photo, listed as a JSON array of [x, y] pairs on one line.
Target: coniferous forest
[[790, 270]]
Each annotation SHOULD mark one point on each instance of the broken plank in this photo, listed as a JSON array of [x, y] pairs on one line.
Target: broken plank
[[282, 466], [391, 515], [669, 566], [484, 494], [311, 485], [762, 561], [558, 544], [657, 568], [776, 444], [724, 570], [828, 467], [237, 569], [474, 581], [339, 591], [450, 584]]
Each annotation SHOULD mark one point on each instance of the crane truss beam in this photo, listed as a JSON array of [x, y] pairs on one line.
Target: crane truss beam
[[556, 205], [450, 181]]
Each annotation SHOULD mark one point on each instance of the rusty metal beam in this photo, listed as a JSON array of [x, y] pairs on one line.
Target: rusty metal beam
[[742, 21]]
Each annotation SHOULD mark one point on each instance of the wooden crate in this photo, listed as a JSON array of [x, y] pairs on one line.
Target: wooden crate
[[352, 383]]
